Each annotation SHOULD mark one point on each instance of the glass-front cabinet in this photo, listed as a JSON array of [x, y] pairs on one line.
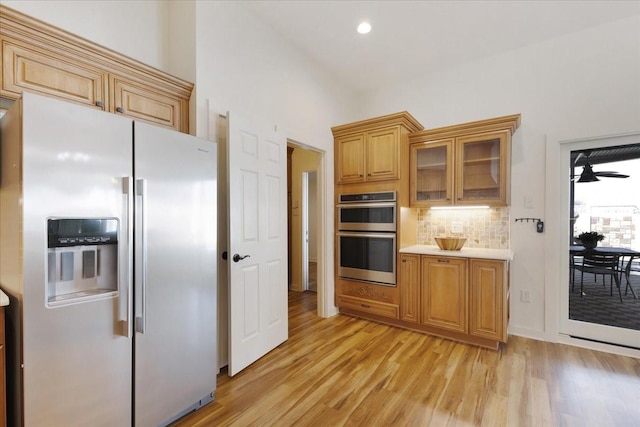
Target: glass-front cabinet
[[481, 169], [467, 164], [432, 173]]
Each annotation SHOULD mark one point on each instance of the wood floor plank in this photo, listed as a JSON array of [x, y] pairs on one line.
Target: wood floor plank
[[344, 371]]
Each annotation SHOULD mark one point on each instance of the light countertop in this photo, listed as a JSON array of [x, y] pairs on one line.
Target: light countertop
[[501, 254], [4, 299]]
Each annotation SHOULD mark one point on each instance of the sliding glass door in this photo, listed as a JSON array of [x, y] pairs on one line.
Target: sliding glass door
[[599, 196]]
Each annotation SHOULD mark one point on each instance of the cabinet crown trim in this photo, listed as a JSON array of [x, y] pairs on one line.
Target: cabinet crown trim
[[510, 123], [401, 118]]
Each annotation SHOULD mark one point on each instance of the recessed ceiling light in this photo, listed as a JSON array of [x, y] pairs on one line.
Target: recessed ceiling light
[[364, 27]]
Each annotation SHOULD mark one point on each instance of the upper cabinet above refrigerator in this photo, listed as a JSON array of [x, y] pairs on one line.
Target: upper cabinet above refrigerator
[[40, 58]]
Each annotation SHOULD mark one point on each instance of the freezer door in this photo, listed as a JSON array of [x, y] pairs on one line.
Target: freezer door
[[175, 273], [77, 357]]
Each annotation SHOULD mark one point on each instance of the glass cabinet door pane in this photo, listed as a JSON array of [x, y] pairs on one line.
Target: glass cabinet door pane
[[432, 171], [481, 170]]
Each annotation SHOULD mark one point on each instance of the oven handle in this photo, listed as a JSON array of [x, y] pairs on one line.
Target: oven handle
[[368, 205], [383, 234]]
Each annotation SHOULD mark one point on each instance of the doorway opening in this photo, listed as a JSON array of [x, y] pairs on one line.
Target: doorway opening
[[304, 200]]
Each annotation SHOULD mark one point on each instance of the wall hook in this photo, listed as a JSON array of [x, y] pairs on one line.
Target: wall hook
[[538, 221]]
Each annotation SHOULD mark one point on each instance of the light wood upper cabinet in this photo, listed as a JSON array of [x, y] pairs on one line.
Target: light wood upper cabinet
[[481, 169], [34, 69], [142, 102], [368, 156], [468, 164], [370, 150], [431, 173], [444, 293], [383, 154], [40, 58], [488, 298], [350, 151]]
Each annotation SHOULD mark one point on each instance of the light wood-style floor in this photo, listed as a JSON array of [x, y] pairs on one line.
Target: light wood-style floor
[[344, 371]]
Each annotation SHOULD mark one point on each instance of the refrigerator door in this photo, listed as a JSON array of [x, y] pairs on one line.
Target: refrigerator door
[[77, 356], [175, 274]]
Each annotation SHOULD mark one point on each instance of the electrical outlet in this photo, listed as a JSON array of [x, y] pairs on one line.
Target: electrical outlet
[[524, 296], [456, 227]]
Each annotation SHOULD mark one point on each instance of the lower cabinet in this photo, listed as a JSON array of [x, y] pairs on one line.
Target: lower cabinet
[[367, 299], [459, 298], [464, 299], [443, 293], [488, 297], [409, 273]]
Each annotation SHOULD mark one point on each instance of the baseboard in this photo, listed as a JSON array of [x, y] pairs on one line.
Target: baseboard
[[534, 334]]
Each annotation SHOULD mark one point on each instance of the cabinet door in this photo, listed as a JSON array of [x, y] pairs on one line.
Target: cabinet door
[[143, 103], [488, 299], [444, 293], [47, 73], [383, 154], [350, 159], [409, 287], [431, 181], [481, 163]]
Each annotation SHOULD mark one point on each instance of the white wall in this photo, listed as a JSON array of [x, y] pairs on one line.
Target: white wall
[[579, 85], [135, 28], [244, 66]]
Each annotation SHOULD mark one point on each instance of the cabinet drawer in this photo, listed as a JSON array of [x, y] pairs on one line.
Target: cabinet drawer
[[368, 306]]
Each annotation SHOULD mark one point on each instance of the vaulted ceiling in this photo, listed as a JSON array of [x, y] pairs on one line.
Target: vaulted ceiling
[[413, 38]]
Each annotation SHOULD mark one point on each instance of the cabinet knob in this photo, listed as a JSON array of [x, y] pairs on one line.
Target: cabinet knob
[[446, 261], [365, 306], [100, 104], [120, 110]]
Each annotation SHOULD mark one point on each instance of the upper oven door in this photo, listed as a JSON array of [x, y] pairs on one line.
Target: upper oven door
[[367, 217]]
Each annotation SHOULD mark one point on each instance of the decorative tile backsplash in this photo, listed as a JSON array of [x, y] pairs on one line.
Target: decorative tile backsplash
[[483, 228]]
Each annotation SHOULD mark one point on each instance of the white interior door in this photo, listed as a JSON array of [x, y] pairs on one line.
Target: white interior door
[[257, 171]]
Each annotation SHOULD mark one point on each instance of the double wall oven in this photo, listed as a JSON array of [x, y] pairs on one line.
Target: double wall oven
[[366, 238]]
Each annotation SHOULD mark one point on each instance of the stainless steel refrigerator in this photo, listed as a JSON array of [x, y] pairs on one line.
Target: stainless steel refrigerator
[[108, 254]]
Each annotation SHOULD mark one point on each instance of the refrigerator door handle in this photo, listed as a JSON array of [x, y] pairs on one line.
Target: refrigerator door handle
[[127, 255], [141, 191]]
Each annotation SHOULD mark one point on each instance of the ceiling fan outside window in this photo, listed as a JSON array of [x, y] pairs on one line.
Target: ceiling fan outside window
[[589, 175]]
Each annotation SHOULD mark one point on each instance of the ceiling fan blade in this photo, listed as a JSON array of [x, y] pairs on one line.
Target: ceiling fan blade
[[611, 174]]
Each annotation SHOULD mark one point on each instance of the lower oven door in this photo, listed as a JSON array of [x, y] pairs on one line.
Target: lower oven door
[[367, 256]]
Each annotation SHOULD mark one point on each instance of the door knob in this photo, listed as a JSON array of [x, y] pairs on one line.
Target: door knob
[[224, 255], [237, 257]]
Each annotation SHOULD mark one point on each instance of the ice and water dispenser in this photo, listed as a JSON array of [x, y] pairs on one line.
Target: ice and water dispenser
[[82, 259]]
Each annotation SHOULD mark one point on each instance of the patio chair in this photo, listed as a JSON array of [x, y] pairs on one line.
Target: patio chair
[[599, 263]]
